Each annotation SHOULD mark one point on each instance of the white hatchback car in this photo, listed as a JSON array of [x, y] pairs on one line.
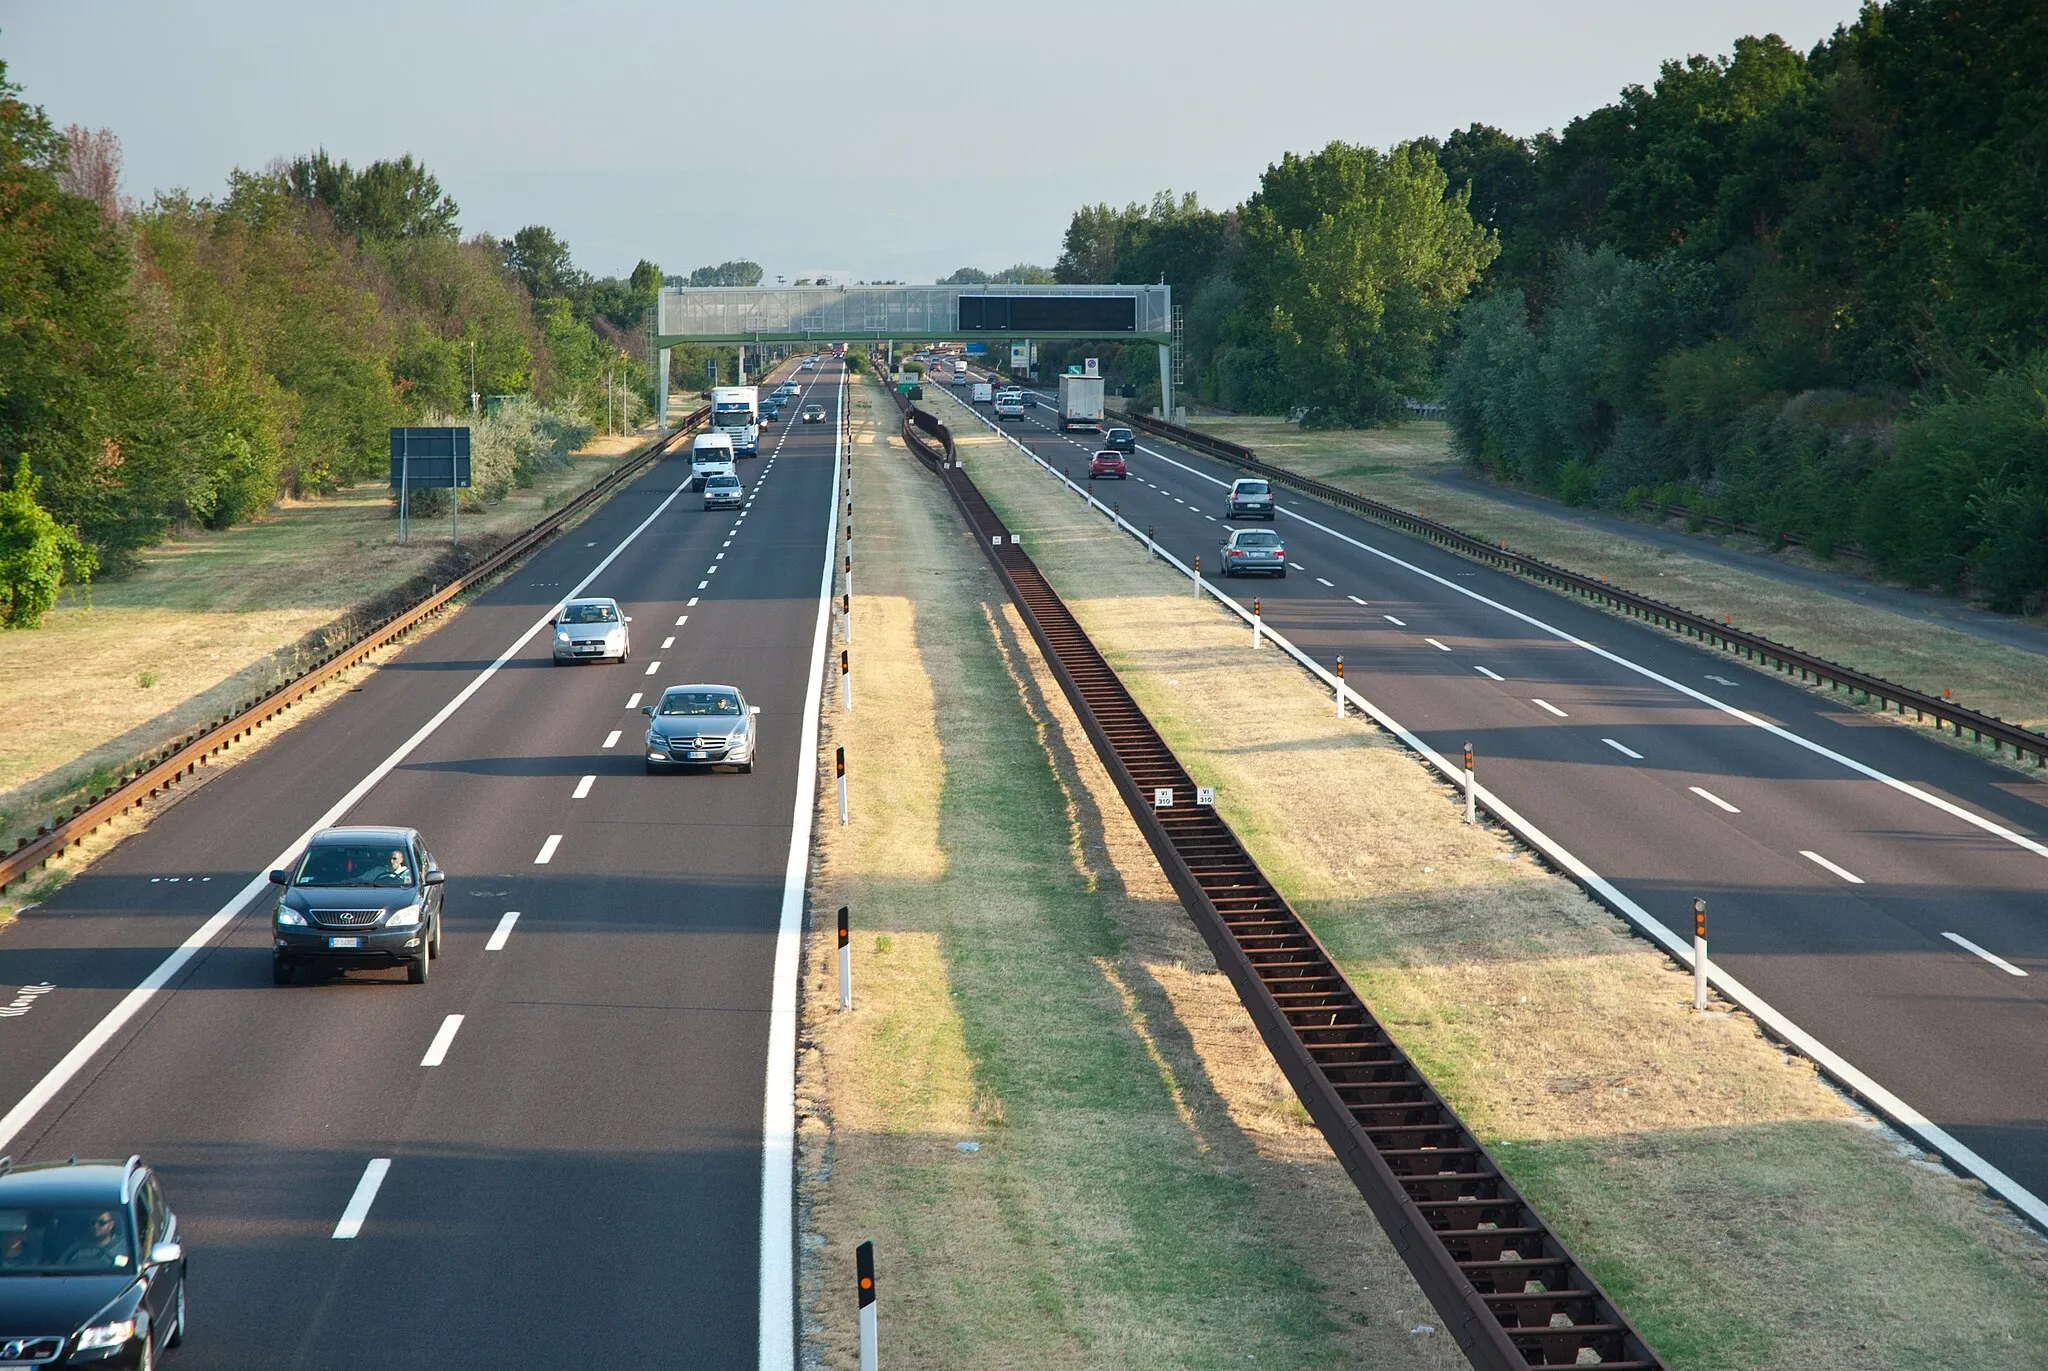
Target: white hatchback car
[[592, 630]]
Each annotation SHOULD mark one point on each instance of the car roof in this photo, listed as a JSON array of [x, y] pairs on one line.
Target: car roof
[[361, 833], [99, 1181], [591, 600], [701, 685], [1262, 532], [1249, 481]]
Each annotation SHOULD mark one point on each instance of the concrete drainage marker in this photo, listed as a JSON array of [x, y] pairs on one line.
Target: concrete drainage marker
[[1506, 1288], [184, 759]]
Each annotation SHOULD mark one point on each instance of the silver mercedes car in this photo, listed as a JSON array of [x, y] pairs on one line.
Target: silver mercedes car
[[700, 725], [592, 631]]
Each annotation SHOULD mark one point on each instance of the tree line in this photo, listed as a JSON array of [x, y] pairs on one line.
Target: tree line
[[1808, 291]]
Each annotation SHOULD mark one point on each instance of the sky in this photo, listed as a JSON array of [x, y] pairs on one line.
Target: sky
[[893, 142]]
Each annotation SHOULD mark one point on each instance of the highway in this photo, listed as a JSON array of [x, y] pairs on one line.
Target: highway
[[592, 1161], [1882, 889]]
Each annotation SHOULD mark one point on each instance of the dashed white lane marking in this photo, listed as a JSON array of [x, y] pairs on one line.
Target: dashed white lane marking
[[1851, 877], [583, 788], [1489, 675], [1210, 517], [1545, 704], [611, 739], [1435, 644], [1297, 566], [1331, 584], [437, 1050], [1715, 800], [2001, 963], [693, 600], [1354, 599], [633, 700], [503, 932], [714, 569], [718, 558], [700, 586], [726, 543], [547, 850], [682, 619], [653, 667], [360, 1202], [1624, 751], [668, 642], [1398, 623]]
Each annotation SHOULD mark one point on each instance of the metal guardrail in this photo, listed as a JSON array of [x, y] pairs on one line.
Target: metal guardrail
[[1509, 1292], [1753, 647], [184, 758]]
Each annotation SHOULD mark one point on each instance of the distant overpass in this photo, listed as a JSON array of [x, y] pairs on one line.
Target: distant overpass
[[881, 314]]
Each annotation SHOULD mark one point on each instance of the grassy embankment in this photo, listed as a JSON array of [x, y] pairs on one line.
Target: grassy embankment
[[1397, 465], [1143, 1192], [1740, 1210], [208, 620]]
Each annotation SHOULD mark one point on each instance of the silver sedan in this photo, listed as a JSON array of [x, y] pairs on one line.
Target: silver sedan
[[700, 725], [592, 631]]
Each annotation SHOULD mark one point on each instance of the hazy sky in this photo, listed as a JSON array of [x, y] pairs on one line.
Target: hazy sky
[[868, 138]]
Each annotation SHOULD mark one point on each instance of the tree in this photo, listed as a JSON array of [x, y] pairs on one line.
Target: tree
[[35, 552], [965, 276], [541, 261], [735, 273], [92, 167], [384, 201]]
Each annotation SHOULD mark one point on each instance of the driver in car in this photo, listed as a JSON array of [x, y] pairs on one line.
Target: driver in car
[[395, 871], [103, 1248]]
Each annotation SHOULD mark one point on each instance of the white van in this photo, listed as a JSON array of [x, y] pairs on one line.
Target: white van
[[983, 392], [711, 455]]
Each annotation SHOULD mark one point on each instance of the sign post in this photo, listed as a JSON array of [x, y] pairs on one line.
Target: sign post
[[430, 459]]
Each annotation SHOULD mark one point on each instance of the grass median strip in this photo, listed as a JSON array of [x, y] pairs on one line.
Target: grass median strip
[[1046, 1107], [1742, 1213]]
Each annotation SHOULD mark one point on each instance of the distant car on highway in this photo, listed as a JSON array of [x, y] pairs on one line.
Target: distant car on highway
[[1009, 405], [700, 725], [1122, 439], [92, 1264], [814, 414], [960, 378], [1249, 498], [1254, 549], [360, 896], [1108, 463], [593, 630], [723, 492], [771, 410]]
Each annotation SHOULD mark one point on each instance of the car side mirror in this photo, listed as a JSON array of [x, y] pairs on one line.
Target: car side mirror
[[435, 876], [753, 709], [164, 1253], [648, 710], [629, 618], [280, 878]]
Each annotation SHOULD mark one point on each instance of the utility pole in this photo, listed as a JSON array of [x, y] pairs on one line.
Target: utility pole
[[472, 379]]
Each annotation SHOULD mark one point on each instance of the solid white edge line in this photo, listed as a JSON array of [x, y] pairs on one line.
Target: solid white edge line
[[1851, 877], [1831, 1062], [365, 1195], [547, 850], [83, 1051], [444, 1037], [1623, 750], [503, 932], [1715, 800], [777, 1338], [2001, 963]]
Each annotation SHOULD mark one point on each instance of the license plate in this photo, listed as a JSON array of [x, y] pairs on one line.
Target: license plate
[[344, 942], [698, 756]]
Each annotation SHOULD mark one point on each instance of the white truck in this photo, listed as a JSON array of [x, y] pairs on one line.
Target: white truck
[[983, 393], [736, 412], [1080, 402], [711, 455]]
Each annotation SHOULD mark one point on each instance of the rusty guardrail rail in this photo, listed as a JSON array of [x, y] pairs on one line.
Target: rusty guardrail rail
[[1507, 1289], [1751, 646], [184, 758]]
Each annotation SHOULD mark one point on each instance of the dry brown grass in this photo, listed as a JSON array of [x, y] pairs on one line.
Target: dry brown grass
[[1742, 1212], [208, 620], [1396, 465]]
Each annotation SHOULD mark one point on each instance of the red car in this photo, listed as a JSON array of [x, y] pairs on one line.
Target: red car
[[1108, 464]]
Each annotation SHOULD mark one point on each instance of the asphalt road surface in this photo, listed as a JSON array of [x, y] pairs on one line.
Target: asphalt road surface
[[579, 1175], [1888, 892]]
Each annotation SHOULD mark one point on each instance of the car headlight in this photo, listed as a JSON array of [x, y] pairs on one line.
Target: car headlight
[[562, 635], [613, 635], [290, 918], [407, 917], [106, 1334]]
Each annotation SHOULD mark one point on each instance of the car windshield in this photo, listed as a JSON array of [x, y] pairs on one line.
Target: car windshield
[[722, 703], [1259, 539], [1251, 487], [51, 1241], [351, 864], [1119, 433], [1109, 456], [723, 481], [590, 614]]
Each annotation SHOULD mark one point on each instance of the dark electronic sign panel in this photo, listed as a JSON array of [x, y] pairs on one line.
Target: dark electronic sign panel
[[1091, 314], [425, 458]]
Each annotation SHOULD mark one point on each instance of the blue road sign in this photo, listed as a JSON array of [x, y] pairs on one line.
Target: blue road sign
[[430, 458]]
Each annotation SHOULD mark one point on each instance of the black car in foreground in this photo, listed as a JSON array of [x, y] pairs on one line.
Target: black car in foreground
[[92, 1271], [362, 896]]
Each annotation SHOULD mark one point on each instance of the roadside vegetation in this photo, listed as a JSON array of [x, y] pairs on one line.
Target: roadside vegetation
[[1742, 1212], [1046, 1108]]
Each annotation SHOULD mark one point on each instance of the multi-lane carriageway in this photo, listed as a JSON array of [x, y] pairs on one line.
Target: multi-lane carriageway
[[571, 1144], [1887, 893]]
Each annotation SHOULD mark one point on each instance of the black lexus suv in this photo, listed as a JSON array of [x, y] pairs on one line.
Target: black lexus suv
[[365, 896], [92, 1272]]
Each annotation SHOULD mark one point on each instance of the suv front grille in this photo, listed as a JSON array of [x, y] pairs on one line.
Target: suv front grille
[[346, 918], [18, 1350]]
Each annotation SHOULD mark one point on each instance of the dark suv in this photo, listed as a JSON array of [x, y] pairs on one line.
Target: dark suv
[[91, 1269], [1120, 439], [358, 897]]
